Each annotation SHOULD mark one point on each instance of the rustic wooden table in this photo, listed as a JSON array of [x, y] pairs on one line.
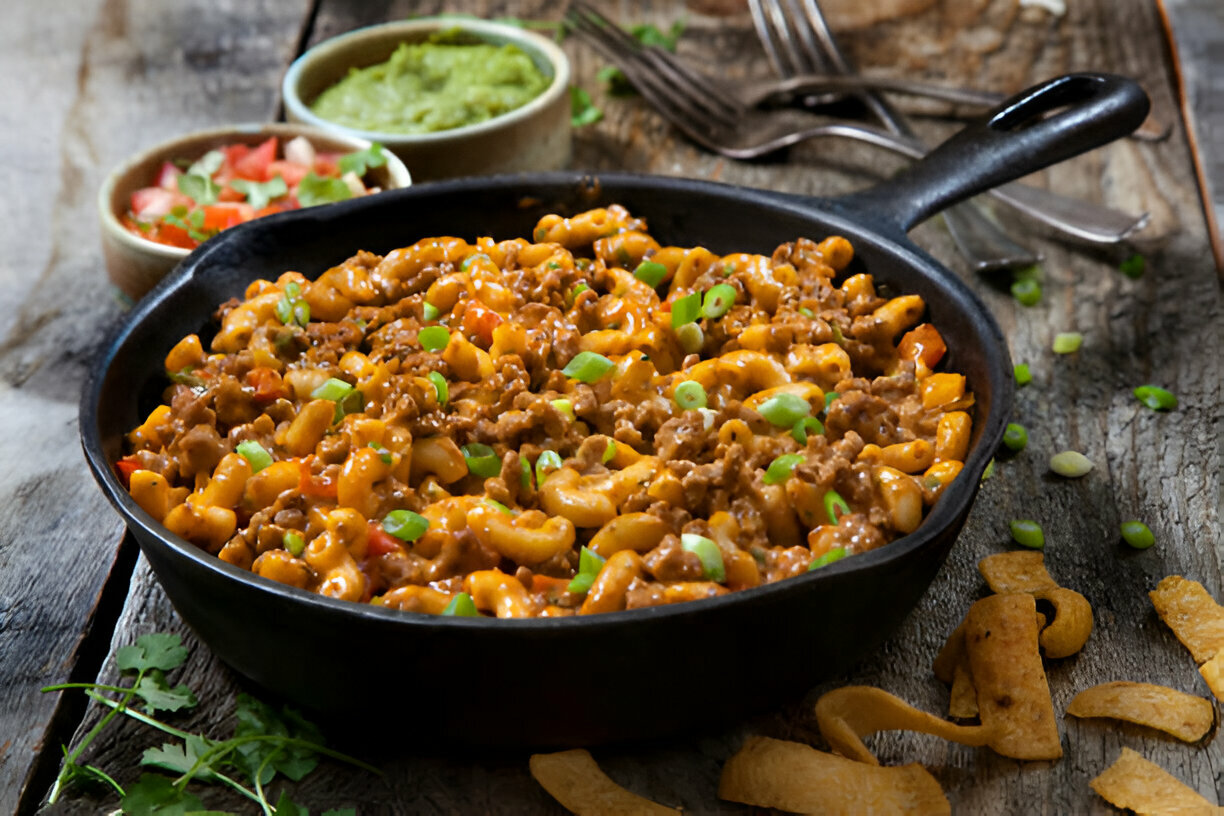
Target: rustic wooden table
[[89, 81]]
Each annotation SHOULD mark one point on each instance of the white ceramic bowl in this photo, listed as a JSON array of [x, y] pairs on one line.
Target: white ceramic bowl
[[135, 264], [535, 136]]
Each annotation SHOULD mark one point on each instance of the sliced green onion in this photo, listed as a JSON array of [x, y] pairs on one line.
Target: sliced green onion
[[988, 471], [588, 367], [835, 506], [805, 426], [784, 410], [351, 403], [1067, 342], [434, 338], [441, 389], [576, 291], [707, 552], [255, 454], [1026, 291], [1137, 534], [431, 311], [838, 337], [690, 395], [1015, 436], [1027, 533], [333, 389], [1022, 374], [405, 524], [780, 469], [834, 554], [589, 565], [383, 453], [830, 397], [806, 312], [690, 337], [564, 406], [1133, 267], [609, 452], [469, 260], [481, 460], [498, 506], [686, 309], [547, 462], [293, 543], [718, 300], [524, 472], [1071, 464], [1156, 398], [461, 606], [650, 273]]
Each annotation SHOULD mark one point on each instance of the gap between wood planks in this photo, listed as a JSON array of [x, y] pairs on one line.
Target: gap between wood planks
[[71, 707]]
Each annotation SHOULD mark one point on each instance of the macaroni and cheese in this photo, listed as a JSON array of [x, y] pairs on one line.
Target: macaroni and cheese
[[582, 422]]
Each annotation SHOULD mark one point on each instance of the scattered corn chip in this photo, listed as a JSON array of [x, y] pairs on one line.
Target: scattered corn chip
[[1017, 571], [1213, 673], [1134, 783], [798, 778], [962, 702], [1072, 623], [848, 714], [1193, 615], [577, 782], [951, 655], [1012, 693], [1181, 715]]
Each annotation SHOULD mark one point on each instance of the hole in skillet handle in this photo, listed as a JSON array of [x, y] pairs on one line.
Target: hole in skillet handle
[[1034, 129]]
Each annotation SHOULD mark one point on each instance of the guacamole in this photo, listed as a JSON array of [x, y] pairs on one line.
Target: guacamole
[[437, 85]]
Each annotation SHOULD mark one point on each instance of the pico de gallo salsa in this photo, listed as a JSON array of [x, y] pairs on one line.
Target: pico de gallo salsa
[[191, 201]]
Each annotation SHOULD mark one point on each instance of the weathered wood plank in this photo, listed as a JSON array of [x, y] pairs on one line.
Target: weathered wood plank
[[1162, 468], [86, 84]]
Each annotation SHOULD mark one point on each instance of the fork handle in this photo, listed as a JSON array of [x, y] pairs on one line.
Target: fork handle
[[1043, 125]]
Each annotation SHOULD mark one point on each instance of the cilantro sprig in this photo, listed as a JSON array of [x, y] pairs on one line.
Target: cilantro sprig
[[267, 741]]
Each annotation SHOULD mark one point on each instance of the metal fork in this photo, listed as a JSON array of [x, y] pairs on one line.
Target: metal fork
[[701, 109], [800, 42]]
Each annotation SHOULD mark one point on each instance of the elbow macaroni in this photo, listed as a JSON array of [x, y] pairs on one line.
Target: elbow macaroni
[[383, 464]]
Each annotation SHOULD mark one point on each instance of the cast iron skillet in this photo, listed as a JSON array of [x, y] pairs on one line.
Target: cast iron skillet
[[626, 675]]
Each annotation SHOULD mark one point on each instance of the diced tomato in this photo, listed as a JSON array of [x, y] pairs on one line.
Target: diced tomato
[[227, 214], [254, 165], [922, 344], [312, 485], [167, 177], [291, 172], [327, 164], [380, 542], [154, 202], [173, 235], [228, 193], [267, 383], [126, 467], [479, 321]]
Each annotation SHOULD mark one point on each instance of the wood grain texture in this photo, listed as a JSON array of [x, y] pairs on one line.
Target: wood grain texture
[[87, 83], [1163, 468]]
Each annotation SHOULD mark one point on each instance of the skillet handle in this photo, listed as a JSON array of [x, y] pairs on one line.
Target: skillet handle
[[1045, 124]]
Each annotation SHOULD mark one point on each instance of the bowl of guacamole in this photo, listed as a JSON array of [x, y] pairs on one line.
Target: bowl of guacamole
[[451, 96]]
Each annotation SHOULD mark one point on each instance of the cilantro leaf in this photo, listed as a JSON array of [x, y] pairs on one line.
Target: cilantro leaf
[[207, 164], [153, 651], [200, 189], [260, 194], [363, 160], [648, 34], [158, 696], [315, 189], [156, 794], [256, 718], [582, 110], [181, 758]]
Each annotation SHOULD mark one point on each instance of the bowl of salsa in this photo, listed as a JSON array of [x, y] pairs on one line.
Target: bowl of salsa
[[166, 201], [451, 96]]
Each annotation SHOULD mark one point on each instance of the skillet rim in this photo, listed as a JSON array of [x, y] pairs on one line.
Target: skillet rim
[[955, 503]]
